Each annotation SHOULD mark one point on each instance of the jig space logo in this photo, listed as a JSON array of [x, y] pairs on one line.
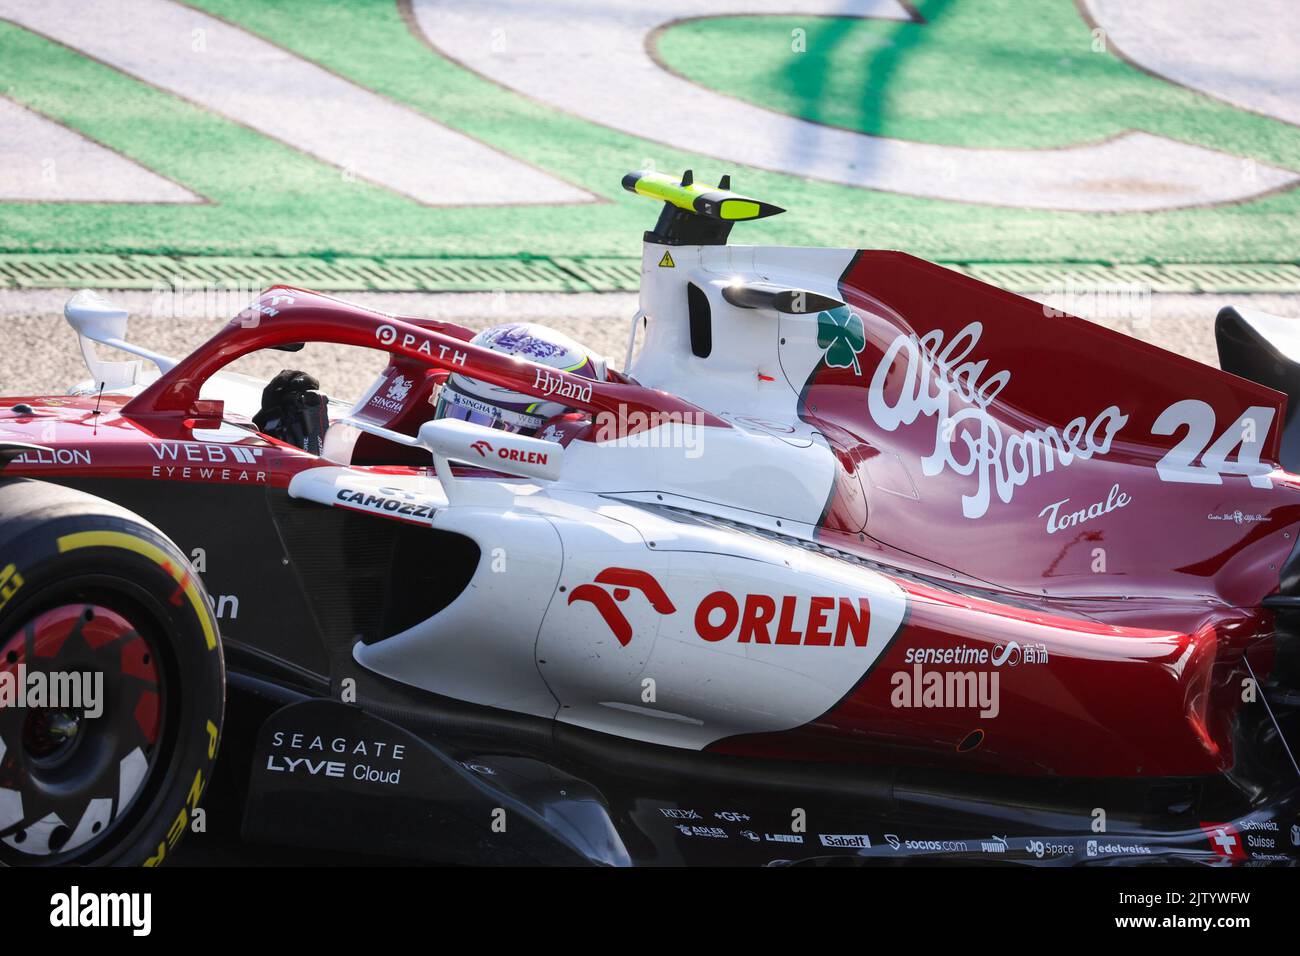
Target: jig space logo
[[616, 585]]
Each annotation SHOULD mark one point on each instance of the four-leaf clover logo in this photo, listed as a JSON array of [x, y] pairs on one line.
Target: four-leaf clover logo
[[840, 333]]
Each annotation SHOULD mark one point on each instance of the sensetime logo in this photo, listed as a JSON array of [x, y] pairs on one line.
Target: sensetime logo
[[76, 909]]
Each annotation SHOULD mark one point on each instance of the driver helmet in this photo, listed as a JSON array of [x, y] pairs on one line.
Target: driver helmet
[[473, 401]]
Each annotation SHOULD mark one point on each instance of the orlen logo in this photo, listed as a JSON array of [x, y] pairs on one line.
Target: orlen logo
[[524, 457], [622, 581], [823, 621], [511, 454]]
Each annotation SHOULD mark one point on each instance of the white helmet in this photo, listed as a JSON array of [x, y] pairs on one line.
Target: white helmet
[[471, 400]]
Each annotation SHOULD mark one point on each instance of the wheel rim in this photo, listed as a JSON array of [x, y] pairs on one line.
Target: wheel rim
[[68, 777]]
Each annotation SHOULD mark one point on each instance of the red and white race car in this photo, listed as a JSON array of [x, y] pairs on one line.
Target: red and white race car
[[859, 557]]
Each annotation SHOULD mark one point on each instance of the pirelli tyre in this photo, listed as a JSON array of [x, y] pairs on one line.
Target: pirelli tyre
[[112, 684]]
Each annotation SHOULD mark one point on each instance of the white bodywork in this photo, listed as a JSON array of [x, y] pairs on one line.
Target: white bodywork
[[519, 637]]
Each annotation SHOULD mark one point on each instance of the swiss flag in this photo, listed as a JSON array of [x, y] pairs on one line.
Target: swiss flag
[[1225, 840]]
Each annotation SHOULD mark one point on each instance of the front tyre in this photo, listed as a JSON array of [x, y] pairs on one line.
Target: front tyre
[[112, 683]]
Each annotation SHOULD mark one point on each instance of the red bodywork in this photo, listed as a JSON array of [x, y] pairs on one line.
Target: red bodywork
[[1143, 613]]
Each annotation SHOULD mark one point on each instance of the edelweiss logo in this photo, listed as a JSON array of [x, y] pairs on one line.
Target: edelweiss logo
[[622, 581], [398, 390], [482, 447]]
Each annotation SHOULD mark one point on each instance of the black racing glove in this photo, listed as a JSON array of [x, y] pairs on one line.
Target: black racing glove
[[294, 411]]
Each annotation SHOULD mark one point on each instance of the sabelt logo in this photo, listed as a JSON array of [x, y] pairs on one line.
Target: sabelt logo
[[859, 841], [814, 621]]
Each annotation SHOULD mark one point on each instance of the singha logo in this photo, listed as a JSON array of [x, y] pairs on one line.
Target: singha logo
[[621, 582], [398, 389]]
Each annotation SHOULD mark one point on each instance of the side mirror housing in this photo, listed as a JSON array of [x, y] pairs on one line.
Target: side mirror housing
[[449, 438]]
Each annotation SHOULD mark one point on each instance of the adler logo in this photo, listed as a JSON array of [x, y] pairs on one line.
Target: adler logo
[[789, 620]]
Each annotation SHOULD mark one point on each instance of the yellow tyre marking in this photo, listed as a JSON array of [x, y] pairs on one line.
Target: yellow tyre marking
[[10, 582], [129, 542]]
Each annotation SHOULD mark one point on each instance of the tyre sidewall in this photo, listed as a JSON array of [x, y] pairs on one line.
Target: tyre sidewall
[[115, 560]]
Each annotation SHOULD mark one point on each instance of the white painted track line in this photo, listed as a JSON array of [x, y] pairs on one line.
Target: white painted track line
[[592, 60], [42, 161]]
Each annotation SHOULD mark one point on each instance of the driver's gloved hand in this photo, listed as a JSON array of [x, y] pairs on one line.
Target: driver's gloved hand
[[294, 411]]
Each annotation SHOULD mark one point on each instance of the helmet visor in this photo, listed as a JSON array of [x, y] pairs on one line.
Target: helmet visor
[[453, 403]]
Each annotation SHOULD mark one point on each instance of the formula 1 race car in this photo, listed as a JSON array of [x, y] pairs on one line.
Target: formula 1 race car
[[858, 560]]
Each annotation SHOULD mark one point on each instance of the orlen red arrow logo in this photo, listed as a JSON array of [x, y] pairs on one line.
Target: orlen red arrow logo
[[622, 581], [481, 447], [1224, 840]]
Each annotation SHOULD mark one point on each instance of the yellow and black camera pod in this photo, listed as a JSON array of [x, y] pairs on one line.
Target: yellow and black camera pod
[[695, 215]]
